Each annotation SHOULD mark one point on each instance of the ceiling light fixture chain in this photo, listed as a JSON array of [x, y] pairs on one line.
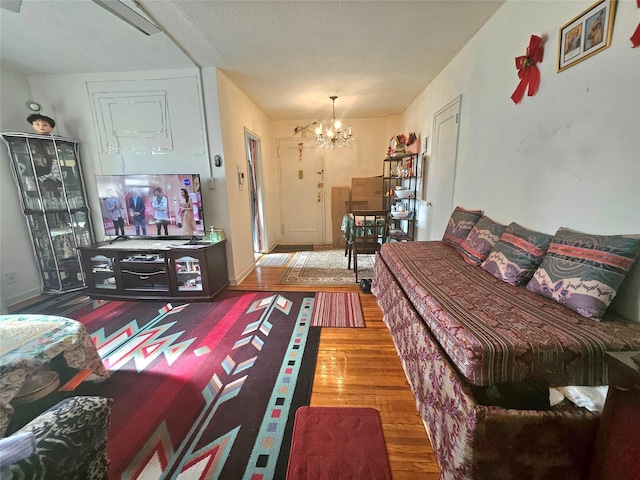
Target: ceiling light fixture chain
[[333, 136]]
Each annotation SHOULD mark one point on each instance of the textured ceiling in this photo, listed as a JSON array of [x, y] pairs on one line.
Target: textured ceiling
[[288, 57]]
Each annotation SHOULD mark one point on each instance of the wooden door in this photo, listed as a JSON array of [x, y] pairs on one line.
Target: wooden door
[[301, 192], [442, 169]]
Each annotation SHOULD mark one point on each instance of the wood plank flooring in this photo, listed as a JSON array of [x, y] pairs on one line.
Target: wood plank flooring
[[359, 367]]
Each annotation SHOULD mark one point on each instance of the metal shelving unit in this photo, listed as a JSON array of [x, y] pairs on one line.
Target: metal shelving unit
[[400, 170]]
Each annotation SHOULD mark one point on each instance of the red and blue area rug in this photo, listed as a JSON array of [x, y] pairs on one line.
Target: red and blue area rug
[[203, 390]]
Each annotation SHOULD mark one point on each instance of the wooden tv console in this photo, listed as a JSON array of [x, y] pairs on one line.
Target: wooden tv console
[[155, 269]]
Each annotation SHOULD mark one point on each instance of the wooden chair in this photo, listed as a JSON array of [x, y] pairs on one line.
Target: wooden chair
[[369, 232], [350, 206]]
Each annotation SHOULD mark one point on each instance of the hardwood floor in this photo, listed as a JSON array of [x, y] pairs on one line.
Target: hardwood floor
[[359, 367]]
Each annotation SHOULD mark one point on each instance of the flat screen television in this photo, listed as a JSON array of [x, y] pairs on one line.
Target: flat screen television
[[149, 205]]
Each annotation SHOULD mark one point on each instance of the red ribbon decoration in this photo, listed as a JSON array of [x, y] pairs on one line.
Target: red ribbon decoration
[[635, 38], [528, 70]]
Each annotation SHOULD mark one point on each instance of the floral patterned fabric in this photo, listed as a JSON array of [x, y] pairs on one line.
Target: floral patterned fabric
[[30, 341], [494, 332], [583, 272], [472, 441], [516, 256], [71, 442], [460, 224], [482, 238]]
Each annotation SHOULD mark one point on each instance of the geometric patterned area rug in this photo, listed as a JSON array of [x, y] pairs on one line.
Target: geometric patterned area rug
[[337, 309], [338, 442], [325, 267], [204, 390], [274, 260]]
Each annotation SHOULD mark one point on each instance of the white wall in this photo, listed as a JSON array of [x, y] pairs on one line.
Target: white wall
[[67, 99], [16, 250], [570, 155]]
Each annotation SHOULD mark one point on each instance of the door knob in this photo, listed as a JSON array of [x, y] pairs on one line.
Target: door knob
[[429, 204]]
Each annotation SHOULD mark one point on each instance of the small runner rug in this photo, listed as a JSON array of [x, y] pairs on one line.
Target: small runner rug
[[205, 390], [274, 260], [338, 442], [325, 267], [337, 309]]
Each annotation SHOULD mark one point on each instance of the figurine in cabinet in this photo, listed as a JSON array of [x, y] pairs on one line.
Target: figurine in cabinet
[[48, 169]]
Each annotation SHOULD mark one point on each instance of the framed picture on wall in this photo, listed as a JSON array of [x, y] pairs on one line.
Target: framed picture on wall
[[587, 34]]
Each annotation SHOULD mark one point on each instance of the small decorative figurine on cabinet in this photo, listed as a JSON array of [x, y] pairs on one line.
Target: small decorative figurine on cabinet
[[41, 123]]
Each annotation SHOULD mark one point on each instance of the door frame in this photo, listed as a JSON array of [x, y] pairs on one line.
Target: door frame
[[256, 192], [434, 161]]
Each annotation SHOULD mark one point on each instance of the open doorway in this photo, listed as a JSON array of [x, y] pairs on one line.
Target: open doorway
[[254, 156]]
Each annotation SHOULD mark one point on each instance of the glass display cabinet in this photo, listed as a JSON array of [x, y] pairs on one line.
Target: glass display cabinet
[[47, 171]]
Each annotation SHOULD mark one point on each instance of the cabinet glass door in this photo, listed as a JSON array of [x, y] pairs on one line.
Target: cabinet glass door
[[44, 252], [102, 269], [188, 274]]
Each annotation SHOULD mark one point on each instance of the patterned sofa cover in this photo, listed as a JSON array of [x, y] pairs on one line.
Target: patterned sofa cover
[[454, 325], [70, 442]]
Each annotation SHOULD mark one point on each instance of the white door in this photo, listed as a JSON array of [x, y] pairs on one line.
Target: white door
[[301, 192], [442, 169]]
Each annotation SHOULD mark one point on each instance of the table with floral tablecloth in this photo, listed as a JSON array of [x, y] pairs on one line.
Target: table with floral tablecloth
[[29, 341]]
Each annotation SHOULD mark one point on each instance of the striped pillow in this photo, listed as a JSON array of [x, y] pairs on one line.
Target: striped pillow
[[583, 272], [482, 238], [460, 224], [516, 256]]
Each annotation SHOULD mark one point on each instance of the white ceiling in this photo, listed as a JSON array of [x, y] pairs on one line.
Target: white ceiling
[[288, 57]]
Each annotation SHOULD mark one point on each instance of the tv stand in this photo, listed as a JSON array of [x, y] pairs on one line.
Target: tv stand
[[152, 270]]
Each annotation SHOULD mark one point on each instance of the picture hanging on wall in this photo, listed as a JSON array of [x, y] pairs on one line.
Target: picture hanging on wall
[[587, 34]]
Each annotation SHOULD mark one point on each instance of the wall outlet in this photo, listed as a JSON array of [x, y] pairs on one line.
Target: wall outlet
[[11, 277]]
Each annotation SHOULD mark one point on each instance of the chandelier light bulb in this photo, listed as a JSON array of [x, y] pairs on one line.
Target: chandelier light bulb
[[333, 137]]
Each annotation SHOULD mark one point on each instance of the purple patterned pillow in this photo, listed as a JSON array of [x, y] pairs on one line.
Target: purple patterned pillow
[[583, 272], [460, 224], [517, 255], [482, 238]]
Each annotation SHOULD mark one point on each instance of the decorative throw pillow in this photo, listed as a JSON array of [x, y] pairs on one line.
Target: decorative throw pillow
[[583, 272], [516, 256], [460, 224], [482, 238]]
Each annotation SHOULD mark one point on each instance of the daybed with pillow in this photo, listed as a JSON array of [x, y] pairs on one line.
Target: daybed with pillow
[[504, 308]]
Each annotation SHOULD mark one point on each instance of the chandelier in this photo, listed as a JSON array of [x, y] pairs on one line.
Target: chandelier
[[333, 136]]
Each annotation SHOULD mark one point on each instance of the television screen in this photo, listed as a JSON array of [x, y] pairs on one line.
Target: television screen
[[151, 205]]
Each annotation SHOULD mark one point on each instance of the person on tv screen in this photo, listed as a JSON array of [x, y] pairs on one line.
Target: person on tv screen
[[114, 207], [136, 204], [186, 213], [160, 211]]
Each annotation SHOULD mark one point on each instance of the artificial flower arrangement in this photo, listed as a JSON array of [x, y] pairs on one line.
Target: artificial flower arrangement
[[402, 144]]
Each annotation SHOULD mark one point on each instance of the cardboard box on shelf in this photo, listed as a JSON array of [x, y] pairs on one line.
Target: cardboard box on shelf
[[367, 188], [339, 195]]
